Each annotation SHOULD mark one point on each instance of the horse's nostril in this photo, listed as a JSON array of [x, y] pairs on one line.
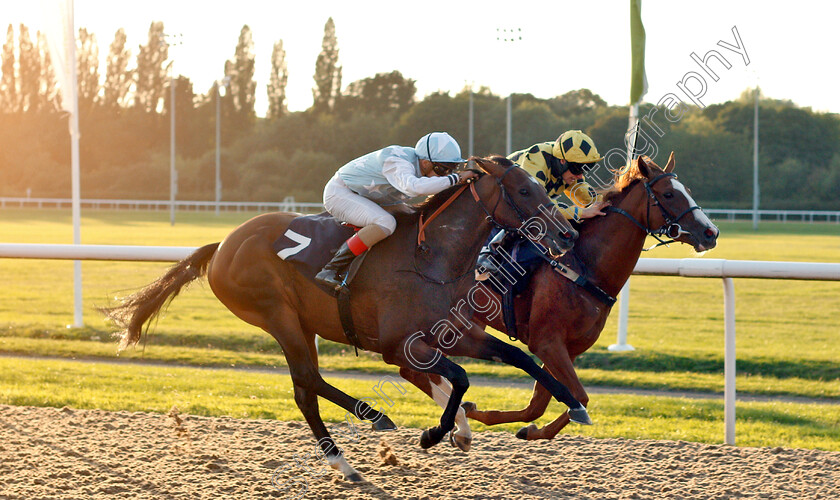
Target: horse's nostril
[[710, 233], [569, 235]]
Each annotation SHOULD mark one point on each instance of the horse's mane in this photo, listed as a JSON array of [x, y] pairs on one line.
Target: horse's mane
[[625, 179]]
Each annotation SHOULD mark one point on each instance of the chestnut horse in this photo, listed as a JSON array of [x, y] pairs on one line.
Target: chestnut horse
[[559, 320], [400, 294]]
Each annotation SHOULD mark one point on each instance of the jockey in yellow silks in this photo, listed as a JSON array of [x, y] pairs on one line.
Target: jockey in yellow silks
[[559, 166]]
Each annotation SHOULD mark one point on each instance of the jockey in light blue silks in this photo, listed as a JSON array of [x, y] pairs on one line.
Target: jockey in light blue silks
[[357, 192]]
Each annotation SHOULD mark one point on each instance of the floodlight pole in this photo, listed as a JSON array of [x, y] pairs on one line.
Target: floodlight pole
[[471, 124], [173, 173], [225, 82], [756, 193], [509, 129], [509, 35]]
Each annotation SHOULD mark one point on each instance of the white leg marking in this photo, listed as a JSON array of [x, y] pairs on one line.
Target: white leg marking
[[440, 393], [338, 463]]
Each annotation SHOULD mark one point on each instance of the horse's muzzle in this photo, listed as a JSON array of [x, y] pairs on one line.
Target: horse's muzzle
[[564, 242], [702, 239]]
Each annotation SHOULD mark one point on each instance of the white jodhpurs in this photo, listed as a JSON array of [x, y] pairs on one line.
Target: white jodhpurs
[[347, 206]]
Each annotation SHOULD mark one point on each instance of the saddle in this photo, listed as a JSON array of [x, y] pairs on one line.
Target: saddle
[[517, 262]]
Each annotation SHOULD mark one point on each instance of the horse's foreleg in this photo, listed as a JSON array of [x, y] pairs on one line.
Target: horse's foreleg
[[434, 387], [535, 409], [475, 343], [559, 364], [415, 354]]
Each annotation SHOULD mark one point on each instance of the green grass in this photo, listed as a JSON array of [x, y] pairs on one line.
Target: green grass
[[787, 331], [260, 395], [372, 363]]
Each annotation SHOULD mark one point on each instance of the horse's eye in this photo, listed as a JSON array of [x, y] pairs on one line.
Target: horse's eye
[[524, 192], [668, 195]]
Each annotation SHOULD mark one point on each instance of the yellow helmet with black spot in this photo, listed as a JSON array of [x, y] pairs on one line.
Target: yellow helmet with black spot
[[575, 147]]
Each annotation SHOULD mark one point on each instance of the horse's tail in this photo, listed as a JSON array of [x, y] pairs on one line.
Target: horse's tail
[[143, 306]]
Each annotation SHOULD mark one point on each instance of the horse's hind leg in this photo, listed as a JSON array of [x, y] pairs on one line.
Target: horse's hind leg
[[307, 382], [356, 407]]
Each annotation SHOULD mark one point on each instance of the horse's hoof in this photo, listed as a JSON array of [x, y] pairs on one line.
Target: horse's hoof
[[580, 416], [426, 440], [468, 406], [523, 432], [384, 423], [463, 443], [354, 478]]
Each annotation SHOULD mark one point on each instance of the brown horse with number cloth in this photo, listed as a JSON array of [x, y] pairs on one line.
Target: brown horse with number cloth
[[408, 283], [559, 319]]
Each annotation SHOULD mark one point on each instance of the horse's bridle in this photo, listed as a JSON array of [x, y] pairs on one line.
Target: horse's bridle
[[489, 216], [519, 212], [671, 227]]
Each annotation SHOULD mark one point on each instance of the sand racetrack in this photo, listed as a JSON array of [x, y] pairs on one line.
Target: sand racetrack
[[69, 453]]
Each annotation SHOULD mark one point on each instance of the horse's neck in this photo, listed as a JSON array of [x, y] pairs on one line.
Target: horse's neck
[[610, 245], [459, 232]]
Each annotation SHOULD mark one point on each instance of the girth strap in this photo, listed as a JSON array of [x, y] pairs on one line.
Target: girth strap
[[581, 281], [344, 311]]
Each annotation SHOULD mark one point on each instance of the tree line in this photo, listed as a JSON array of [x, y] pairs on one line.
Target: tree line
[[124, 123]]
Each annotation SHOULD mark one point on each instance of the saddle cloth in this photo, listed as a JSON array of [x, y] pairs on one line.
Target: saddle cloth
[[311, 241]]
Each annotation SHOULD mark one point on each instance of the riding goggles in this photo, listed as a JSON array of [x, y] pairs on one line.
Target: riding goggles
[[443, 169]]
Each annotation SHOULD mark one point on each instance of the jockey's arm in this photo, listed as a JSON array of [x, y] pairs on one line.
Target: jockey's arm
[[581, 194], [400, 173], [586, 202]]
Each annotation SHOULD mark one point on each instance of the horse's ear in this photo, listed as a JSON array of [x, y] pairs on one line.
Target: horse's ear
[[486, 165], [669, 167], [642, 163]]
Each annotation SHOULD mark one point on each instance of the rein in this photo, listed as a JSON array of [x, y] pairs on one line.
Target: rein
[[506, 196], [670, 228], [421, 236], [422, 225]]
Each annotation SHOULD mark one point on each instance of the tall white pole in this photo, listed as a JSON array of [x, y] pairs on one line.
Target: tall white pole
[[70, 42], [755, 163], [621, 344], [218, 151], [729, 361], [633, 126]]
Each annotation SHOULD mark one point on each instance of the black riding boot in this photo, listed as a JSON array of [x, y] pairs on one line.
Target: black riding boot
[[489, 257], [332, 274]]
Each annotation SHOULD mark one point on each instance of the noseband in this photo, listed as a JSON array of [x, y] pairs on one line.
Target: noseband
[[671, 227]]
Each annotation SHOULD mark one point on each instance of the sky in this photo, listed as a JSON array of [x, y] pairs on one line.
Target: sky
[[446, 45]]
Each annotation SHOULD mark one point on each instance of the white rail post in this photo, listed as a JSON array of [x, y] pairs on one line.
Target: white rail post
[[729, 361], [623, 306]]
